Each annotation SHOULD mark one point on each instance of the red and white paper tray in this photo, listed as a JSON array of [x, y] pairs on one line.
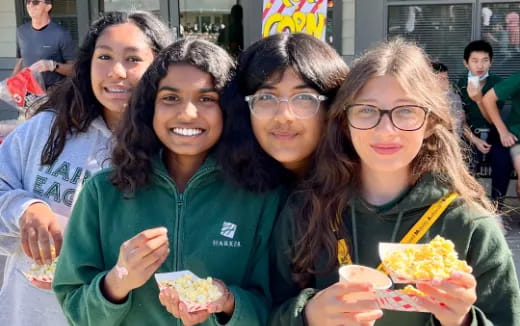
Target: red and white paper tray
[[395, 300], [41, 273], [387, 298], [194, 292]]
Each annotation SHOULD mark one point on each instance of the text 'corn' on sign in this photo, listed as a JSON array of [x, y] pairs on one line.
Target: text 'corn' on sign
[[294, 16]]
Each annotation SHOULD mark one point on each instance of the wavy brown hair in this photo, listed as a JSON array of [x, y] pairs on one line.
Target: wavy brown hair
[[330, 186]]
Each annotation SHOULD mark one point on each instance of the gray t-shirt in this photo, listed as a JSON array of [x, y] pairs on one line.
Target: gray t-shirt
[[52, 42]]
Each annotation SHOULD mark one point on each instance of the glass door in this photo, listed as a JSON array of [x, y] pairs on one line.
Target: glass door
[[153, 6], [218, 21]]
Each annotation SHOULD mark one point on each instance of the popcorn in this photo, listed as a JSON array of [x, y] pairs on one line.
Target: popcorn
[[194, 292], [45, 272], [437, 259], [198, 291], [411, 290]]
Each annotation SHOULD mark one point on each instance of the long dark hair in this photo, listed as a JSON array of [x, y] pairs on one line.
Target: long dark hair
[[73, 101], [318, 64], [137, 142], [326, 193]]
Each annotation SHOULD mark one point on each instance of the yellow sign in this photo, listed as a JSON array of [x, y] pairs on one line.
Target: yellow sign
[[294, 16]]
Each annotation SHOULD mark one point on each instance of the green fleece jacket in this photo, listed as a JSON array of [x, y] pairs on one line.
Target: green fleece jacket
[[478, 239], [214, 229]]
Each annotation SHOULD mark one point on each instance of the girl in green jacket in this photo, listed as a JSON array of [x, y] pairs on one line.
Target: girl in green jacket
[[166, 207], [389, 152]]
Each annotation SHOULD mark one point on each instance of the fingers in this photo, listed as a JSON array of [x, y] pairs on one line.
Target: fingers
[[155, 259], [192, 318], [451, 299], [147, 235], [57, 237], [33, 245], [143, 249], [463, 279], [169, 298], [44, 245], [25, 242]]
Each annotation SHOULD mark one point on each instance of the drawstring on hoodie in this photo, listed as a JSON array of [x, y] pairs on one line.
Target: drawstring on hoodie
[[354, 230]]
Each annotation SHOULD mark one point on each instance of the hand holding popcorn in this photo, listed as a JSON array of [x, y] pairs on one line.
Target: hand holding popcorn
[[458, 294], [192, 300], [138, 259], [41, 276]]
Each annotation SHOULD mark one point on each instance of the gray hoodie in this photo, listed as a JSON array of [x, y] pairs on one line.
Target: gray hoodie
[[23, 181]]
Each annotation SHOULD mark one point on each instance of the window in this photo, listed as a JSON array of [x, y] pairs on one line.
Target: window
[[500, 26], [218, 21], [148, 5], [442, 30]]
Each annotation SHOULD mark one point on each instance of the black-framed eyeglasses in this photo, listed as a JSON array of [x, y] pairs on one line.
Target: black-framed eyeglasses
[[34, 2], [302, 105], [403, 117]]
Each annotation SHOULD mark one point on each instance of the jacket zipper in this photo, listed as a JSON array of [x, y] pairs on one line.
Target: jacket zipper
[[180, 204]]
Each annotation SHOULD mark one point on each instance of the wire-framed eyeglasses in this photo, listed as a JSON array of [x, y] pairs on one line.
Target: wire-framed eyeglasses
[[301, 105], [403, 117]]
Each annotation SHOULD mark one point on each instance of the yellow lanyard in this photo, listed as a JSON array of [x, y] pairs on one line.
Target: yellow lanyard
[[413, 236]]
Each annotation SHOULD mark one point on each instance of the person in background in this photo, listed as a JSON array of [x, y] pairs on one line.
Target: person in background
[[44, 45], [509, 131], [483, 137], [44, 162], [454, 99]]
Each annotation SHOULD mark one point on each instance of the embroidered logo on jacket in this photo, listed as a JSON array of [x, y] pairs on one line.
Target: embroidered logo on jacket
[[228, 230]]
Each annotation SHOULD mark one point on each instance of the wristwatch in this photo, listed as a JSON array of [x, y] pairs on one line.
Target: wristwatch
[[56, 66]]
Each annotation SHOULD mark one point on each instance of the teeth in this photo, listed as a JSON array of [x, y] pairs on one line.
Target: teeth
[[187, 131], [116, 90]]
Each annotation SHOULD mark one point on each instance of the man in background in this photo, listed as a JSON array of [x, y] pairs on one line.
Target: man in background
[[44, 44]]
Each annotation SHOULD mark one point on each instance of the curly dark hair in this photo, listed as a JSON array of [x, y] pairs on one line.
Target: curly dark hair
[[73, 100], [137, 142], [318, 64]]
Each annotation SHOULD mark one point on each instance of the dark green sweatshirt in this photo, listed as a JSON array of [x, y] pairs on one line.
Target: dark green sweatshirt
[[214, 229], [478, 239]]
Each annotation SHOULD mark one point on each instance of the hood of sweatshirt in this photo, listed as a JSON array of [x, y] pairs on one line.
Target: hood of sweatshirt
[[426, 191]]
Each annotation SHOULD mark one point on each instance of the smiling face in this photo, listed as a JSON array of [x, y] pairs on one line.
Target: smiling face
[[187, 118], [289, 140], [121, 56], [385, 148], [478, 63]]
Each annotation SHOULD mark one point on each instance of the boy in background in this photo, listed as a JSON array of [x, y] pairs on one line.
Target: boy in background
[[483, 137]]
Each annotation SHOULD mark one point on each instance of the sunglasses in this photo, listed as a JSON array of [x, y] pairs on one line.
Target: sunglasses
[[33, 2]]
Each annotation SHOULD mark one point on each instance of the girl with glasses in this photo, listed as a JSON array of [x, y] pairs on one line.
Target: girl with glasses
[[277, 101], [165, 206], [45, 161], [387, 155]]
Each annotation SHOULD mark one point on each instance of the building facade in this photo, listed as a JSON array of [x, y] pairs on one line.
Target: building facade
[[442, 27]]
